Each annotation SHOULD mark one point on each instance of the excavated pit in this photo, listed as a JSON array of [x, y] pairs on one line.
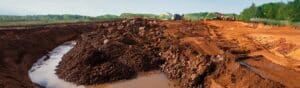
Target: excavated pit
[[194, 54]]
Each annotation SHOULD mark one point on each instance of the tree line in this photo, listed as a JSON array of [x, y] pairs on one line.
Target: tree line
[[68, 18], [289, 11], [10, 18]]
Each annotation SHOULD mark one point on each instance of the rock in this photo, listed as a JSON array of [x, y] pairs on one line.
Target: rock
[[193, 76], [105, 41]]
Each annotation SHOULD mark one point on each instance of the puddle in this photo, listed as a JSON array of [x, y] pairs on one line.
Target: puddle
[[43, 73], [153, 79]]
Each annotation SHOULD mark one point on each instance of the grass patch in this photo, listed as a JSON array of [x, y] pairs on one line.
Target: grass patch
[[274, 22]]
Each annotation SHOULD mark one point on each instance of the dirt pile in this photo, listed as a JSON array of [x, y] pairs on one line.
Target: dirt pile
[[21, 47], [114, 52]]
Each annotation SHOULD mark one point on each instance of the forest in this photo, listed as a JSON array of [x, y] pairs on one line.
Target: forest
[[289, 11]]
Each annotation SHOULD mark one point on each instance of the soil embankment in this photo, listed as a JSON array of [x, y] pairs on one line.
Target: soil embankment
[[20, 47]]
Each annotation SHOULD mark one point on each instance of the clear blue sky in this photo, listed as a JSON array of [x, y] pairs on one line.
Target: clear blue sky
[[100, 7]]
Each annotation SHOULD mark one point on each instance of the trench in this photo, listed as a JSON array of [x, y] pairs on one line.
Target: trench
[[43, 73], [269, 70]]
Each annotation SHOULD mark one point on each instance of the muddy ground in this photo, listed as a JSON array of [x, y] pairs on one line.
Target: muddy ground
[[211, 54], [20, 47]]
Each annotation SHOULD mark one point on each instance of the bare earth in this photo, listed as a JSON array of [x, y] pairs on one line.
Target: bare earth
[[210, 54]]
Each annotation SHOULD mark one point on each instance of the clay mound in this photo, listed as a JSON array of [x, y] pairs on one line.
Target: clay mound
[[113, 52]]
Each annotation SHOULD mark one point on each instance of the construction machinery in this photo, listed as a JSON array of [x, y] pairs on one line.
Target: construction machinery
[[178, 17], [221, 16], [170, 16]]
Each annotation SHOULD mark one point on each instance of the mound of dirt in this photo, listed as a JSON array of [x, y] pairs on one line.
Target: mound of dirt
[[118, 51]]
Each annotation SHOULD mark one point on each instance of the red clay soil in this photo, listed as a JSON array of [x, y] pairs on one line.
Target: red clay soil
[[20, 47], [113, 53], [194, 53], [203, 58]]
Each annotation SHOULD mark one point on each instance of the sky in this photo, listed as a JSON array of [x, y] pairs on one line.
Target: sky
[[101, 7]]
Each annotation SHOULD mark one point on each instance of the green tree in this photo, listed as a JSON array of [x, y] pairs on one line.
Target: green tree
[[249, 13], [278, 11], [295, 6]]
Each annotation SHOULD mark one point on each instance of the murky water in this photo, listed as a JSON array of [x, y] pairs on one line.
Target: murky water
[[153, 79], [43, 73]]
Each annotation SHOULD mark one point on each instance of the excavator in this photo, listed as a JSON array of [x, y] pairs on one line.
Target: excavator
[[219, 16]]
